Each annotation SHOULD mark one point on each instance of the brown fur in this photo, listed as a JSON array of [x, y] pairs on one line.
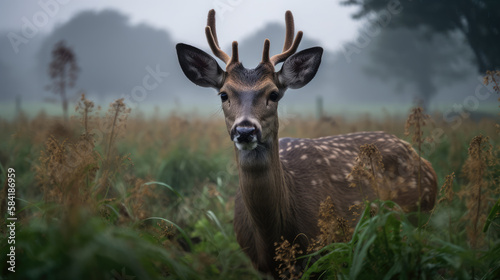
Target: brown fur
[[265, 210]]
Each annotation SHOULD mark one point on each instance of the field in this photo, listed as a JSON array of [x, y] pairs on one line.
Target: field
[[105, 196]]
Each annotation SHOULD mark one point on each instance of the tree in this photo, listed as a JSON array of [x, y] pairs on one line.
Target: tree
[[418, 60], [477, 20], [63, 70]]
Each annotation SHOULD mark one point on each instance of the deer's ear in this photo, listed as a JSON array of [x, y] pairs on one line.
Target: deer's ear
[[199, 67], [300, 68]]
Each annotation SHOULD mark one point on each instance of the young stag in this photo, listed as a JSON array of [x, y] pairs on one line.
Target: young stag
[[283, 181]]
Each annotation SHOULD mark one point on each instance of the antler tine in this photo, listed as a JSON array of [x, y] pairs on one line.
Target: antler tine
[[284, 55], [214, 47], [213, 42], [265, 52], [235, 56], [289, 48], [290, 30], [211, 24]]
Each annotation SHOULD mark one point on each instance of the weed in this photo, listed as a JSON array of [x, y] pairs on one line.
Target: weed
[[286, 255], [414, 126], [477, 170], [368, 170]]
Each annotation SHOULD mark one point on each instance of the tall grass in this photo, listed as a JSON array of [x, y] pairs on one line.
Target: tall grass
[[104, 196]]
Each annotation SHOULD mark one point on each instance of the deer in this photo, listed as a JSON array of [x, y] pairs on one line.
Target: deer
[[283, 181]]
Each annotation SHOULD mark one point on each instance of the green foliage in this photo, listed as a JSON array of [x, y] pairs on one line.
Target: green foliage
[[93, 249], [388, 246], [186, 170]]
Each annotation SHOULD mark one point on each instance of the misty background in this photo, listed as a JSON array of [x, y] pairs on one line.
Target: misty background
[[373, 67]]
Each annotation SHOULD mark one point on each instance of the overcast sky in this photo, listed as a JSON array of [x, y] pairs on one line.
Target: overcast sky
[[325, 21]]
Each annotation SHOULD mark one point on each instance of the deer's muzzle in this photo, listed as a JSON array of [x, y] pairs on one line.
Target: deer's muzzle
[[245, 135]]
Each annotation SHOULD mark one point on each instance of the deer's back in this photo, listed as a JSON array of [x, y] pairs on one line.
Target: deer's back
[[318, 168]]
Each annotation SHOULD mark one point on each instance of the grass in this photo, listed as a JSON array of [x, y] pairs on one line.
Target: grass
[[109, 197]]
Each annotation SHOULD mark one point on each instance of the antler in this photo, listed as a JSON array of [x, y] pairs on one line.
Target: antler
[[211, 34], [289, 48]]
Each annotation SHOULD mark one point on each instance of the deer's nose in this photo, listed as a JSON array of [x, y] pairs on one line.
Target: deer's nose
[[245, 134]]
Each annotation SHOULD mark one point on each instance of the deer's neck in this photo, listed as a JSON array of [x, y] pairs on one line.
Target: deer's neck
[[264, 190]]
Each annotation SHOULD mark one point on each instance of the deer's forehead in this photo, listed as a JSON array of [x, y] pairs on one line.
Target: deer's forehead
[[256, 89], [240, 79]]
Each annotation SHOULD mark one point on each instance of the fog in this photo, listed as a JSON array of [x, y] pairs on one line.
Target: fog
[[397, 67]]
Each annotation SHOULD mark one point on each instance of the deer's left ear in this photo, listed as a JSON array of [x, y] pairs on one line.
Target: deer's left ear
[[299, 69]]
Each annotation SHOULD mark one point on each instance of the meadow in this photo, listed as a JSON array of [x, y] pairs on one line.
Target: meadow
[[106, 196]]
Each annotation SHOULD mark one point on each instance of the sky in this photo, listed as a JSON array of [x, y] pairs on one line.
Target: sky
[[185, 20]]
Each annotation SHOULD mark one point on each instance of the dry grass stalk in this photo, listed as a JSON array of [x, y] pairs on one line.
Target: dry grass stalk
[[286, 254], [85, 108], [66, 169], [414, 126], [446, 193], [332, 227], [368, 170], [113, 126], [493, 77], [164, 233], [116, 122], [139, 199], [477, 193]]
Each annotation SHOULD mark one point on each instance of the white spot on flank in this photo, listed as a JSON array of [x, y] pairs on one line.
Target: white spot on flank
[[296, 146], [318, 161], [288, 149], [303, 157], [313, 182], [413, 184]]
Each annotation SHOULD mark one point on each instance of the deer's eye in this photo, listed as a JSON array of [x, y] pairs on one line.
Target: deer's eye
[[274, 97], [223, 96]]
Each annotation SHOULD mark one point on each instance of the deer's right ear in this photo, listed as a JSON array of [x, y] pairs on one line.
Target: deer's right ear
[[199, 67]]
